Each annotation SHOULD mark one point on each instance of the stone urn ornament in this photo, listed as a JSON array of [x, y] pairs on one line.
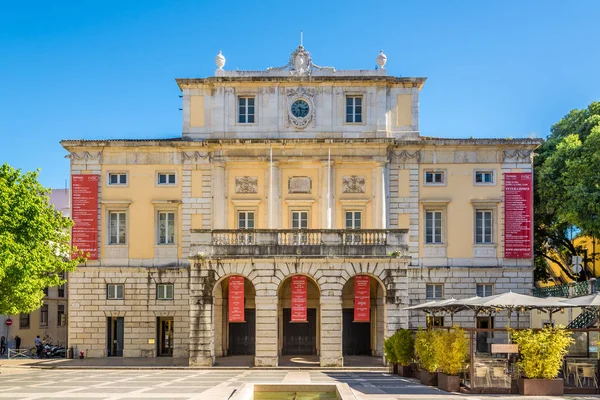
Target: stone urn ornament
[[381, 59], [220, 60]]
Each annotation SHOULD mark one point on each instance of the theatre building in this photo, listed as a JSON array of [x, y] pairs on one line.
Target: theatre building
[[299, 213]]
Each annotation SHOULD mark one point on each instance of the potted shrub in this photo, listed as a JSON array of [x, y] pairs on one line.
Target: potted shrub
[[390, 353], [425, 352], [541, 356], [404, 348], [451, 352]]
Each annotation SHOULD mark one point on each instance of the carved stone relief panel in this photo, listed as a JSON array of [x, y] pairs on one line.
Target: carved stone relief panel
[[299, 184], [246, 184], [353, 184]]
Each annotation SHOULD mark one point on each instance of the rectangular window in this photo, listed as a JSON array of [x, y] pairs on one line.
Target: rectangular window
[[115, 291], [433, 227], [246, 110], [24, 321], [164, 291], [434, 291], [484, 177], [435, 177], [300, 221], [353, 220], [117, 179], [483, 227], [166, 227], [117, 227], [484, 290], [166, 178], [60, 315], [45, 291], [44, 315], [246, 221], [353, 109]]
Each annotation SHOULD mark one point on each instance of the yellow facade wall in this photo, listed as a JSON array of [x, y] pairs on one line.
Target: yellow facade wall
[[403, 221], [404, 110], [196, 111], [300, 201], [354, 201], [196, 183], [403, 183], [140, 198], [460, 191], [256, 202]]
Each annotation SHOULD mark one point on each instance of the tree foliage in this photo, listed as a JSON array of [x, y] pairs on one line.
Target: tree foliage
[[567, 190], [34, 242], [451, 350], [425, 349]]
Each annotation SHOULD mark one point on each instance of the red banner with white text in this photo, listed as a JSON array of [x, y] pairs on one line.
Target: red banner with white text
[[518, 215], [236, 299], [299, 298], [84, 212], [362, 298]]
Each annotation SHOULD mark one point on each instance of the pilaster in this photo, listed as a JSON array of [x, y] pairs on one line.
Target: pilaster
[[331, 331], [266, 330]]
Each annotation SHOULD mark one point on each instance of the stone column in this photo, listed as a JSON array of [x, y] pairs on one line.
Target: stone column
[[219, 197], [331, 331], [266, 330], [380, 214], [327, 196], [202, 340]]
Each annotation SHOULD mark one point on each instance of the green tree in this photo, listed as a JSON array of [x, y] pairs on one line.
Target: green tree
[[567, 191], [34, 242]]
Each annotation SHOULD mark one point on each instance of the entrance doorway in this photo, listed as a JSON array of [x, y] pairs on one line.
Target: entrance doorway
[[357, 335], [242, 335], [483, 339], [165, 337], [114, 336], [299, 338]]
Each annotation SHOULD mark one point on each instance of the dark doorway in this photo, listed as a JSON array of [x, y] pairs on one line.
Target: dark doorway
[[114, 336], [165, 337], [300, 338], [483, 339], [356, 339], [242, 335]]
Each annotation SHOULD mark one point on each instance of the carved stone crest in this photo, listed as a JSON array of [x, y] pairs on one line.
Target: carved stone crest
[[299, 184], [300, 63], [353, 184], [307, 95], [246, 184]]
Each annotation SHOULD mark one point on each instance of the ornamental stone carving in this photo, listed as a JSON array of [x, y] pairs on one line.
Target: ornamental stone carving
[[353, 184], [220, 60], [298, 121], [300, 64], [246, 184], [381, 59], [517, 156], [86, 156], [299, 184], [406, 155]]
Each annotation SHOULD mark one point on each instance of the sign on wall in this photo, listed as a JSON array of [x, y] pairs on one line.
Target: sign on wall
[[299, 298], [362, 298], [518, 215], [505, 348], [236, 299], [84, 204]]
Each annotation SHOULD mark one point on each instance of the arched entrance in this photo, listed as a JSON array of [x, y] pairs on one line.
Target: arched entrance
[[235, 338], [363, 338], [298, 338]]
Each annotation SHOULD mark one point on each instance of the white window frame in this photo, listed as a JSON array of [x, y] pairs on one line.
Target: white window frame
[[167, 174], [435, 172], [44, 322], [246, 238], [483, 240], [300, 238], [435, 287], [354, 114], [434, 212], [486, 287], [118, 175], [162, 291], [246, 114], [60, 314], [112, 291], [109, 229], [484, 171], [158, 234]]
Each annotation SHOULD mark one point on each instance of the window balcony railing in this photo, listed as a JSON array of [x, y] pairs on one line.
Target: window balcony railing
[[314, 242]]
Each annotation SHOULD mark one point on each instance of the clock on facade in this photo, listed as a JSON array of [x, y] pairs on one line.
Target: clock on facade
[[300, 108]]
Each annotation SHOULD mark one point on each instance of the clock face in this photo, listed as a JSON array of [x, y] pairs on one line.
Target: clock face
[[300, 108]]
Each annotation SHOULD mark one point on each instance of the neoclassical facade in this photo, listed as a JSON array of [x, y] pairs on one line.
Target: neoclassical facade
[[303, 182]]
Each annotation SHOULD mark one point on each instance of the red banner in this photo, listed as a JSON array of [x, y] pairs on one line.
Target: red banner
[[299, 298], [518, 215], [362, 298], [84, 212], [236, 299]]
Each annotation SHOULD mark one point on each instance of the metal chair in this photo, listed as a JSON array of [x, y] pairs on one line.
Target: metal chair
[[588, 376], [483, 373]]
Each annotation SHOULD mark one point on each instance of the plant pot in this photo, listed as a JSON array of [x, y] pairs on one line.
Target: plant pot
[[405, 371], [429, 378], [449, 383], [541, 387]]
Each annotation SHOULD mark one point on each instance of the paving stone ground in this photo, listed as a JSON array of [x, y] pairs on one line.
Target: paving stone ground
[[114, 384]]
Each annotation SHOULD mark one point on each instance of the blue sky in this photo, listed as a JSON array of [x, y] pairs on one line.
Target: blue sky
[[106, 69]]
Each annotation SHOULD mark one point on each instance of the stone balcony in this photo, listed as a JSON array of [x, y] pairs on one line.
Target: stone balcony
[[321, 243]]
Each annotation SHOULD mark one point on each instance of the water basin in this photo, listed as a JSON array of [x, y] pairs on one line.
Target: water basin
[[283, 391]]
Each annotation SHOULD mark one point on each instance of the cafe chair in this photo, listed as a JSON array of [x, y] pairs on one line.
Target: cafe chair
[[482, 373], [588, 376], [499, 374]]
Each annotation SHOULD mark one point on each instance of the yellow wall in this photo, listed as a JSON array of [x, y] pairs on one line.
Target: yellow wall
[[354, 201], [256, 202], [197, 110], [141, 190], [404, 110], [300, 201], [460, 190]]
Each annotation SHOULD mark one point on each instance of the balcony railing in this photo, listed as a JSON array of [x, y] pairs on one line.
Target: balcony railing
[[314, 242]]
